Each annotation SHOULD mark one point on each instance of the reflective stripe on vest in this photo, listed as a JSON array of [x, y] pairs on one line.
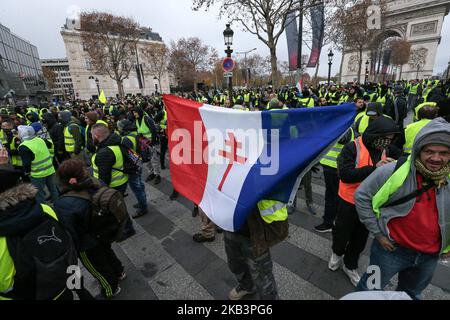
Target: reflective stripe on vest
[[143, 129], [330, 159], [118, 178], [272, 210], [347, 190], [411, 132], [42, 165]]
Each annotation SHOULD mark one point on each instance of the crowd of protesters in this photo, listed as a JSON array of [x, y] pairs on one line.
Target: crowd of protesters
[[385, 177]]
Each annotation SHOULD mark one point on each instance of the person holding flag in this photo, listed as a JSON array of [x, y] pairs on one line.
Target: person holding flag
[[247, 168]]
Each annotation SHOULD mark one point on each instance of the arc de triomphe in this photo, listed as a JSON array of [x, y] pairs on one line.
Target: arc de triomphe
[[417, 21]]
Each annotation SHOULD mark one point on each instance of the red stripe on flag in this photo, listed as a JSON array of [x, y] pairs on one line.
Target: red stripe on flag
[[189, 179]]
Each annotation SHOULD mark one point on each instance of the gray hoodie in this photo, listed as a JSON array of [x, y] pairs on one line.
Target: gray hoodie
[[370, 186]]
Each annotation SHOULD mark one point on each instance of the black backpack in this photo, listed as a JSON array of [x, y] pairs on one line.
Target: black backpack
[[41, 258], [108, 213]]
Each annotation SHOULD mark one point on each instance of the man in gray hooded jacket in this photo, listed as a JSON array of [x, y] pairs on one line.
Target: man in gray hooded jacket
[[406, 206]]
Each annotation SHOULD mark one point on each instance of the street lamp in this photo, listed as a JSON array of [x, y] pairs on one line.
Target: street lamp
[[367, 72], [228, 39], [417, 74], [156, 85], [330, 62], [98, 86], [245, 63]]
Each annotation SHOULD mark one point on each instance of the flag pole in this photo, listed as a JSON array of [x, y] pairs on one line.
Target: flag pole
[[299, 45]]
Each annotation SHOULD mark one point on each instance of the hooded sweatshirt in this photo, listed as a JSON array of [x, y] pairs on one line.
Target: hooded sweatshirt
[[370, 187], [346, 160], [56, 131]]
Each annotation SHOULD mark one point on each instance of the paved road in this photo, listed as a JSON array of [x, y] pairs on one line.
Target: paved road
[[163, 262]]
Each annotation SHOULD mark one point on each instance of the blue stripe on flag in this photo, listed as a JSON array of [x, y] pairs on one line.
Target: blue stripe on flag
[[304, 135]]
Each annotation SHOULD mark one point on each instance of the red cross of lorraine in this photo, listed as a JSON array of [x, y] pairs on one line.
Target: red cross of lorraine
[[232, 156]]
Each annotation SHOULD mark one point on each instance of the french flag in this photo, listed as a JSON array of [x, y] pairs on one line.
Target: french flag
[[227, 160]]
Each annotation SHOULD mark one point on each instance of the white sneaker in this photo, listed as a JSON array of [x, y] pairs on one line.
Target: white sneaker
[[352, 275], [335, 262]]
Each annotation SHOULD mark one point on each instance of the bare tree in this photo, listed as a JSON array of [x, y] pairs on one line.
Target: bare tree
[[49, 76], [350, 32], [156, 59], [263, 18], [401, 50], [193, 56], [111, 43]]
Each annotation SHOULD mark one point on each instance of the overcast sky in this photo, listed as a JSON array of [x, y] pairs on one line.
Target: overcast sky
[[40, 22]]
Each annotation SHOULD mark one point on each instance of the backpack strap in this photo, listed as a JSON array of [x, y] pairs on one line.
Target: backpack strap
[[78, 194], [413, 194]]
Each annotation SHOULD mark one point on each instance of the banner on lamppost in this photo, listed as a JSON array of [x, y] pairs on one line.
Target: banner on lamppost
[[318, 25], [292, 40]]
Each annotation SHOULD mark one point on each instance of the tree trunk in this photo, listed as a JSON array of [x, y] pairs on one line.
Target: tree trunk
[[120, 87], [401, 69], [195, 79], [273, 64], [317, 69], [359, 65]]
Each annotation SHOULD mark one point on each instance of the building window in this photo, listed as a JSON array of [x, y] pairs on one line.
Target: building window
[[88, 64]]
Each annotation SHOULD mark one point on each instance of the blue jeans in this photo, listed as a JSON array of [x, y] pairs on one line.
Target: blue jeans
[[415, 270], [137, 186], [40, 184]]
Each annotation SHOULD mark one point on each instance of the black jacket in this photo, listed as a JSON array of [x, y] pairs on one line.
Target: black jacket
[[56, 131], [19, 213], [105, 158], [397, 109], [346, 159], [74, 214]]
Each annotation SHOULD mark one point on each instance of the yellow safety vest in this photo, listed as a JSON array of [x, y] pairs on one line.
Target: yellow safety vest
[[16, 160], [132, 136], [42, 165], [411, 132], [118, 178], [330, 159], [143, 129], [307, 102], [163, 123], [7, 270], [420, 106], [414, 89], [69, 140], [272, 210], [3, 138]]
